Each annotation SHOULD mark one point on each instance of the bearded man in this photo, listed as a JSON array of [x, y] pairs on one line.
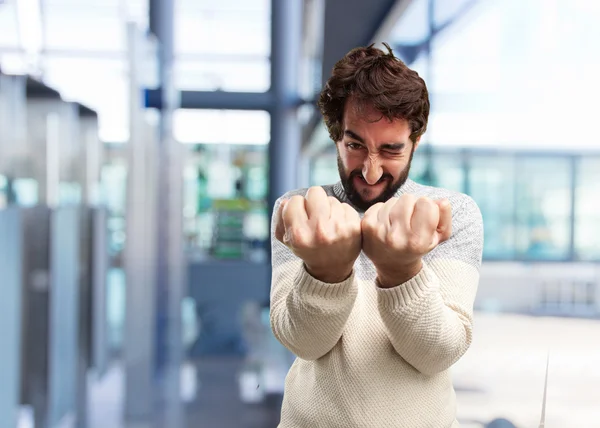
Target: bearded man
[[375, 276]]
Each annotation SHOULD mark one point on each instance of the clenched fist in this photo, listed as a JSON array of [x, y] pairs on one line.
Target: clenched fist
[[323, 232], [399, 232]]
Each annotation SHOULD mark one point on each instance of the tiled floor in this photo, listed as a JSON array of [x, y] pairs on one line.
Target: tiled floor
[[502, 375]]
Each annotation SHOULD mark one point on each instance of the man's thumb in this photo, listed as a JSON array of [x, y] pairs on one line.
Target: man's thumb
[[279, 225]]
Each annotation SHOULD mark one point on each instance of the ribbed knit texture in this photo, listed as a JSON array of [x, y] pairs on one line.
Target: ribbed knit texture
[[378, 358]]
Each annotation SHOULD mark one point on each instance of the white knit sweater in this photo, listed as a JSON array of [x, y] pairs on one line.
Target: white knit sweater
[[369, 357]]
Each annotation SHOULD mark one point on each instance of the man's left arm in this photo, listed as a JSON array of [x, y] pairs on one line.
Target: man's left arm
[[429, 313]]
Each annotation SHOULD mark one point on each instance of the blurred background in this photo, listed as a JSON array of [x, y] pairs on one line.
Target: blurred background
[[144, 142]]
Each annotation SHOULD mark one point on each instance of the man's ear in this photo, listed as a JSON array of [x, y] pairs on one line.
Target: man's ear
[[416, 143]]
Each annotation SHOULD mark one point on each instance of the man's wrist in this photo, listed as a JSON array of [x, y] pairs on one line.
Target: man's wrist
[[331, 275], [393, 277]]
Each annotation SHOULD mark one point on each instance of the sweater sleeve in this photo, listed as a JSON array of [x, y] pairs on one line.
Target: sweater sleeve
[[429, 318], [307, 316]]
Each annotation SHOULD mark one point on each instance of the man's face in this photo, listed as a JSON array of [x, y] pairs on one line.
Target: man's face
[[374, 155]]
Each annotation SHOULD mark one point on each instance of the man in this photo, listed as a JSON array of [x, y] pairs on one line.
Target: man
[[374, 277]]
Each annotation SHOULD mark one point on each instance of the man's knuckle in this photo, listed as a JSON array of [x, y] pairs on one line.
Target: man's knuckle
[[415, 243], [321, 233], [391, 240]]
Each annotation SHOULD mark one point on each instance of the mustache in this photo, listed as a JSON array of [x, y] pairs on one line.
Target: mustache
[[384, 177]]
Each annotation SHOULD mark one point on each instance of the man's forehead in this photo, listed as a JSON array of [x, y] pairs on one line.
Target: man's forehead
[[380, 126], [362, 111]]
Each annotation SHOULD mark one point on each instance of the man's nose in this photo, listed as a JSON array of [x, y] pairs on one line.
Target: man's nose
[[372, 170]]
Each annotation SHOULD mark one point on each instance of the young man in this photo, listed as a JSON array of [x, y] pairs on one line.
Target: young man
[[374, 277]]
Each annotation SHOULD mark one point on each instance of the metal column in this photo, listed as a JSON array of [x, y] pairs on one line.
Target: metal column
[[286, 49], [171, 264], [139, 251]]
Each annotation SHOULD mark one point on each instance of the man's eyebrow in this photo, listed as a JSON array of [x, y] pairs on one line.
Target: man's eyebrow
[[354, 135], [393, 146], [386, 146]]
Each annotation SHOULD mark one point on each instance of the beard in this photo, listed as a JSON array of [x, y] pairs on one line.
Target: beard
[[356, 198]]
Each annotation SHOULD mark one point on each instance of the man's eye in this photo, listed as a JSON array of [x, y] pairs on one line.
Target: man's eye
[[354, 146]]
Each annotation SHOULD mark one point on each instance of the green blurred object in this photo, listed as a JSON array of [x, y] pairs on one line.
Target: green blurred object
[[231, 204], [204, 202], [229, 239]]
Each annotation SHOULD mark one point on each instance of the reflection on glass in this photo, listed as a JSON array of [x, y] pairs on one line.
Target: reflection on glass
[[543, 207], [525, 200], [69, 193], [114, 187], [492, 186], [447, 171], [418, 166], [432, 167], [323, 170], [3, 192], [587, 209], [25, 191]]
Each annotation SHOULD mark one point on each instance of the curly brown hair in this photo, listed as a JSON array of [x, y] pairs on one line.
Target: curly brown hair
[[378, 79]]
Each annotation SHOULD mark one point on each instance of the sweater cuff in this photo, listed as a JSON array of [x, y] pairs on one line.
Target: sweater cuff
[[308, 285], [414, 289]]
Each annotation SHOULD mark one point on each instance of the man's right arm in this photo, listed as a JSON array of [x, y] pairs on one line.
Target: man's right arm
[[308, 316]]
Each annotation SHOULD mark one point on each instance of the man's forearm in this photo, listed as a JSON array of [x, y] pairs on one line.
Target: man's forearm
[[429, 330], [308, 316]]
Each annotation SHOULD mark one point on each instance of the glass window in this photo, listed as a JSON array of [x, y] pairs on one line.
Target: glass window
[[223, 45], [9, 36], [221, 32], [324, 170], [108, 96], [231, 74], [84, 27], [587, 209], [432, 168], [421, 66], [499, 65], [413, 26], [492, 186], [448, 171], [467, 61], [543, 207], [447, 10], [418, 166], [222, 126]]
